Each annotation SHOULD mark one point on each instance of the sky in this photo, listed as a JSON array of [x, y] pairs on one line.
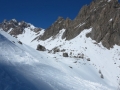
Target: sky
[[40, 13]]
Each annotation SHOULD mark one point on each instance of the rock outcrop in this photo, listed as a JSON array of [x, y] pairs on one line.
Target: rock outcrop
[[56, 27], [15, 28], [65, 54], [40, 48], [103, 16]]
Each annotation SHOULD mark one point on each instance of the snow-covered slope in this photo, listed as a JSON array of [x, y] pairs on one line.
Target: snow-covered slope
[[23, 68], [29, 34], [105, 62], [23, 31]]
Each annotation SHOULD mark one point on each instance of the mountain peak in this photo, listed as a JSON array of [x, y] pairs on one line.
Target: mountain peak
[[96, 15], [101, 15], [59, 18], [105, 0], [14, 20], [14, 27]]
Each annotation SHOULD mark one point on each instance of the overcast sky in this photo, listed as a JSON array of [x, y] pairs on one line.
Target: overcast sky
[[41, 13]]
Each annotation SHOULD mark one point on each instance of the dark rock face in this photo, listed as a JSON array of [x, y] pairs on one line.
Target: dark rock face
[[102, 16], [105, 27], [16, 27], [56, 27], [56, 49], [19, 42], [40, 48], [63, 50], [65, 54], [88, 59]]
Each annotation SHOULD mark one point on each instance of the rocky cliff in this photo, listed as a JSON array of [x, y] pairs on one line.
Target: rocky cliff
[[102, 15], [15, 28], [54, 29]]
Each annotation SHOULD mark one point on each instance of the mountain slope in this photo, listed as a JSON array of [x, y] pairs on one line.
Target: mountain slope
[[23, 31], [102, 15], [90, 52], [33, 70], [83, 53]]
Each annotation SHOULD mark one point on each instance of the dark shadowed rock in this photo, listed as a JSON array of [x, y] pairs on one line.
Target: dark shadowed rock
[[56, 49], [63, 50], [19, 42], [40, 48], [53, 30], [49, 51], [70, 67], [88, 59], [65, 54]]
